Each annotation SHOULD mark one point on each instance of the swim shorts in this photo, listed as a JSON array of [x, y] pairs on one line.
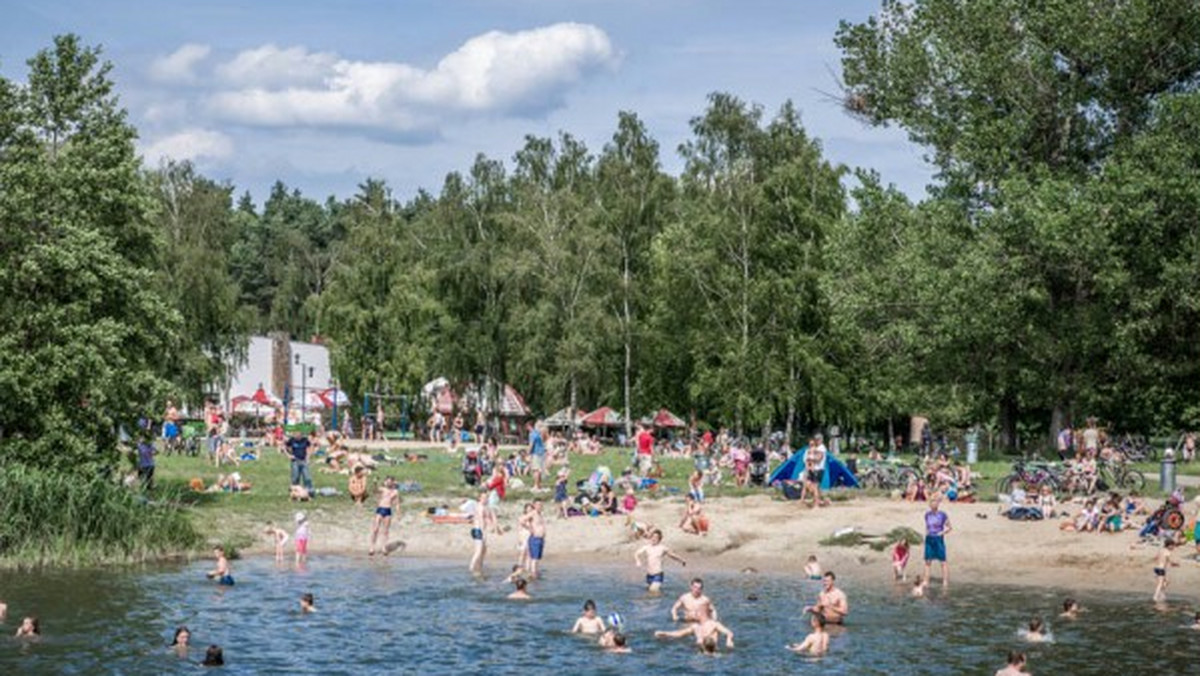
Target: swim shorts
[[935, 548], [536, 547], [476, 534], [226, 580], [656, 578], [1160, 572], [385, 512], [816, 475], [301, 546]]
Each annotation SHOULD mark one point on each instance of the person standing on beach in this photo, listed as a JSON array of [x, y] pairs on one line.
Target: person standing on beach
[[479, 522], [301, 538], [537, 453], [297, 446], [814, 464], [937, 525], [645, 450], [654, 553], [1162, 561], [279, 538], [691, 601], [389, 498], [536, 523]]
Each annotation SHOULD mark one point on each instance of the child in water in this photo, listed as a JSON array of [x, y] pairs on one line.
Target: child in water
[[1070, 609], [816, 643], [519, 594], [308, 604], [588, 623], [812, 568], [1162, 561], [179, 643], [30, 628], [221, 573], [1036, 633], [900, 559], [302, 537], [279, 536]]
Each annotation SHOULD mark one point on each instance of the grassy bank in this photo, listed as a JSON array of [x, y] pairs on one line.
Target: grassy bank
[[52, 519]]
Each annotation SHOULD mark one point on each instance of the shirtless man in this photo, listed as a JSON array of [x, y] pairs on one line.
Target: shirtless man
[[536, 523], [816, 643], [655, 552], [389, 499], [691, 602], [831, 601], [705, 629], [479, 521], [588, 623], [519, 594], [1016, 665]]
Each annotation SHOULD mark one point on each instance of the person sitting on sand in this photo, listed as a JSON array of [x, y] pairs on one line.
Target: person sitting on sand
[[308, 604], [519, 594], [588, 623], [30, 628], [816, 643], [1036, 633], [691, 601], [694, 521], [357, 485], [705, 630], [655, 552], [831, 601], [223, 574], [1070, 609], [1047, 502], [915, 491], [1016, 665]]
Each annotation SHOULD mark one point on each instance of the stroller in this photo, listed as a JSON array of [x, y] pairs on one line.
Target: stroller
[[758, 466], [472, 468], [1166, 520]]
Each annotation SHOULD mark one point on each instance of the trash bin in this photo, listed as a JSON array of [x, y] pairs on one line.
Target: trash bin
[[1166, 472], [972, 439]]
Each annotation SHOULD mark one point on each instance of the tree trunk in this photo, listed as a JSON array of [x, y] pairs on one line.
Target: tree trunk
[[628, 335], [1059, 418], [891, 440], [1008, 423], [791, 407], [574, 401]]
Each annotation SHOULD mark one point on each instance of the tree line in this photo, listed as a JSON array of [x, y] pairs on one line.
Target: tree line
[[1050, 272]]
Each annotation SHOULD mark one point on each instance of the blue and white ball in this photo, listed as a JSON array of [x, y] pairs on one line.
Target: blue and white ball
[[615, 620]]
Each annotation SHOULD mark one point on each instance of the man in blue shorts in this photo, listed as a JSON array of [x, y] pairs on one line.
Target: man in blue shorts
[[937, 525], [535, 523]]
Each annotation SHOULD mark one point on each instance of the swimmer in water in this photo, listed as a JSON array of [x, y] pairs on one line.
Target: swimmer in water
[[1016, 665], [307, 603], [3, 610], [1036, 633], [1196, 622], [588, 623], [654, 553], [812, 569], [705, 629], [30, 628], [618, 644], [919, 588], [1070, 609], [519, 594], [816, 643], [691, 601], [214, 656], [223, 574], [179, 643], [1162, 561], [831, 601]]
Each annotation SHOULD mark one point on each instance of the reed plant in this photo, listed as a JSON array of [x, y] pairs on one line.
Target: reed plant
[[50, 518]]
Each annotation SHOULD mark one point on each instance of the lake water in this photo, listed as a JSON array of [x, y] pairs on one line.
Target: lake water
[[408, 615]]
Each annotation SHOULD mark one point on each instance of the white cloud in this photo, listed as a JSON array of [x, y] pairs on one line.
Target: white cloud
[[189, 144], [494, 72], [178, 67]]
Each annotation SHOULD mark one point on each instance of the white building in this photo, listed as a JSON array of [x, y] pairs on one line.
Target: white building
[[283, 368]]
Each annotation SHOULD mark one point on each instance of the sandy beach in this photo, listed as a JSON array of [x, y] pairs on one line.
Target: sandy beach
[[776, 536]]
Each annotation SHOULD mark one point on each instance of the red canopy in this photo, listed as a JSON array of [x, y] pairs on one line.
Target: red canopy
[[665, 418], [263, 397], [603, 417]]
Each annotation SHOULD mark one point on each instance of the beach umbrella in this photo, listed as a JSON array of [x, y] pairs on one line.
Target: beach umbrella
[[665, 418], [265, 398], [333, 397]]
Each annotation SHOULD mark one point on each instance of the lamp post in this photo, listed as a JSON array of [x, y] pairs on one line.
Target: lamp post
[[305, 372]]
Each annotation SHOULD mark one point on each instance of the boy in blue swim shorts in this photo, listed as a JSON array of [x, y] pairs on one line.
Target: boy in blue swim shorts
[[937, 525], [535, 523], [655, 553], [222, 574], [389, 498]]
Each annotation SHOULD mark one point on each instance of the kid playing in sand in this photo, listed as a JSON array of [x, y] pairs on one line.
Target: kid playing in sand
[[694, 521], [588, 623], [279, 537], [389, 499], [816, 643], [1162, 561], [222, 573], [900, 559], [301, 538], [655, 552]]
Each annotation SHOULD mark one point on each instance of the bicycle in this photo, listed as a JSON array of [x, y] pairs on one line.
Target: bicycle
[[1033, 475]]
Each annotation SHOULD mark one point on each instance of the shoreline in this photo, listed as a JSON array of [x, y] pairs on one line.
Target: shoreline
[[775, 537]]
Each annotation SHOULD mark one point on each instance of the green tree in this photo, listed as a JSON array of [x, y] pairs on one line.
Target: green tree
[[85, 335]]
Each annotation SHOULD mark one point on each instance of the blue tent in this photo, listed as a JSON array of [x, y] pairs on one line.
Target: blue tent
[[836, 472]]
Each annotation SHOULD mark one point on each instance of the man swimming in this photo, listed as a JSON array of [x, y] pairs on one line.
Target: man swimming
[[389, 498], [655, 552], [1016, 665], [479, 521], [519, 594], [222, 573], [705, 629], [831, 601], [536, 523], [816, 643], [588, 623], [691, 602]]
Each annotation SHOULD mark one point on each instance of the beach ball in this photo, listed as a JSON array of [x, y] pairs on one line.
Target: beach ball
[[616, 620]]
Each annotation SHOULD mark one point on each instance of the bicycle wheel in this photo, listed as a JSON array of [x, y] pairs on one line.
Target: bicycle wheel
[[1131, 480], [905, 477]]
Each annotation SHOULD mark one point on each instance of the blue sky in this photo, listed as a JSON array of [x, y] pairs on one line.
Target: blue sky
[[322, 94]]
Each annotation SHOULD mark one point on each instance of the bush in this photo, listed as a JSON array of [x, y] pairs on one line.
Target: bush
[[54, 518]]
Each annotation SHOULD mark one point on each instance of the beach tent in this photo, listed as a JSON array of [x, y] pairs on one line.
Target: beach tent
[[836, 472], [563, 418], [668, 420]]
